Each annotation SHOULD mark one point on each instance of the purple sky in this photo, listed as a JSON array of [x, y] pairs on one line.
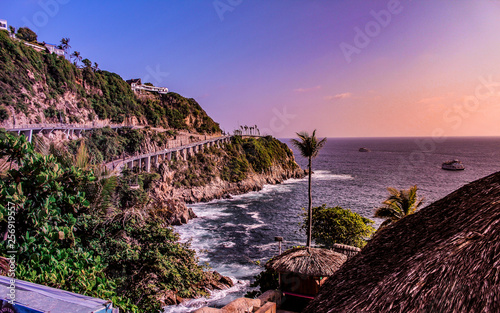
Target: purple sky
[[346, 67]]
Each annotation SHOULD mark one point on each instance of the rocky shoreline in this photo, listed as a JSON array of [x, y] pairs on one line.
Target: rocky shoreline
[[176, 199]]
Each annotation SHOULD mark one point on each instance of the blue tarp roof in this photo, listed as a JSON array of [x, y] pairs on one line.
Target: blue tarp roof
[[51, 300]]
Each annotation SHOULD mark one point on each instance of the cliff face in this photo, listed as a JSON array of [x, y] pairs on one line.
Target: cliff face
[[131, 214], [221, 173], [219, 189], [39, 87]]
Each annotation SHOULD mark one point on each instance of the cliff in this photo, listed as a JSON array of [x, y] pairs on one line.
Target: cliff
[[243, 165], [119, 230], [39, 87]]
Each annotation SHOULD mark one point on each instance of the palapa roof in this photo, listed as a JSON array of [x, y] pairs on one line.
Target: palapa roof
[[349, 251], [309, 262], [445, 258]]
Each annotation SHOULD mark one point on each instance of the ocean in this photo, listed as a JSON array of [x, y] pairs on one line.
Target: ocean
[[234, 235]]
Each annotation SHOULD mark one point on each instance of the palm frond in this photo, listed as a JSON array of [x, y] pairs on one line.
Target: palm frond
[[399, 204], [386, 212], [308, 145]]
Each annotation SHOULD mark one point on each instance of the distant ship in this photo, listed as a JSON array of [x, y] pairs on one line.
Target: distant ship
[[454, 165], [364, 150]]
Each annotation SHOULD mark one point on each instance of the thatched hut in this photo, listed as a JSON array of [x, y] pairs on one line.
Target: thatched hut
[[349, 251], [445, 258], [303, 271]]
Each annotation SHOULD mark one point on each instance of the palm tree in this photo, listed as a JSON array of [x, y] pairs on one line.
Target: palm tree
[[309, 147], [77, 57], [96, 67], [65, 44], [399, 204]]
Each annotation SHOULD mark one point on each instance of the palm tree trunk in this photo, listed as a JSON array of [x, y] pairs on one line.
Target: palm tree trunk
[[309, 214]]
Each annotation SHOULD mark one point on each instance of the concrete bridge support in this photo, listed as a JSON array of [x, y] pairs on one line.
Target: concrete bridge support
[[28, 133], [147, 163]]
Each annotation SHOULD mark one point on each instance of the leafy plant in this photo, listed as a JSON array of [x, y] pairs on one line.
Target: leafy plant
[[338, 225], [88, 235], [399, 204], [27, 34], [4, 114]]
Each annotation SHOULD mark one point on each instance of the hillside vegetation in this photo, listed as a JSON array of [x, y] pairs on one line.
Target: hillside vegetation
[[84, 233], [82, 230], [239, 160], [39, 87]]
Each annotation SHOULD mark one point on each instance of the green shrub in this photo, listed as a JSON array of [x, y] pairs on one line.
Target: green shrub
[[4, 114], [338, 225], [89, 236], [27, 34]]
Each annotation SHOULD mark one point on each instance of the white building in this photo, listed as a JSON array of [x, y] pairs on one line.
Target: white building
[[137, 86], [53, 49], [3, 25]]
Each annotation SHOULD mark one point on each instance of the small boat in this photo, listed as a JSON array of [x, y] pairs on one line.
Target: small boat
[[364, 150], [454, 165]]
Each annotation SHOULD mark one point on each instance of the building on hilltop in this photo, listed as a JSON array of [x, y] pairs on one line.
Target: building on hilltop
[[53, 49], [134, 82], [137, 87]]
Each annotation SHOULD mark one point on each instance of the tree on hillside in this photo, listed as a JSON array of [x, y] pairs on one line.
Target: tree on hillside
[[338, 225], [27, 34], [96, 67], [12, 29], [309, 147], [77, 56], [65, 44], [4, 114], [87, 63], [399, 204]]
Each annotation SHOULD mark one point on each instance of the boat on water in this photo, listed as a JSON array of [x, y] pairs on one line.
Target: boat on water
[[454, 165], [364, 150]]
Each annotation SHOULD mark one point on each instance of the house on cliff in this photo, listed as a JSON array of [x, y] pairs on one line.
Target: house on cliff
[[137, 87], [54, 49], [444, 258]]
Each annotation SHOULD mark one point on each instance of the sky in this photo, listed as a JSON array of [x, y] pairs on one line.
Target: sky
[[348, 68]]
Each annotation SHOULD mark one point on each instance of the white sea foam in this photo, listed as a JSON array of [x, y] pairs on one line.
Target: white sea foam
[[228, 244], [195, 304], [252, 226], [256, 216], [327, 175]]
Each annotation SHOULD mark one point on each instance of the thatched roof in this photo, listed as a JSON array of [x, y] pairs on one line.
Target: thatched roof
[[309, 262], [349, 251], [445, 258]]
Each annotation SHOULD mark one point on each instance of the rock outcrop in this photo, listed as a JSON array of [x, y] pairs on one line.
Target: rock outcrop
[[175, 198]]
